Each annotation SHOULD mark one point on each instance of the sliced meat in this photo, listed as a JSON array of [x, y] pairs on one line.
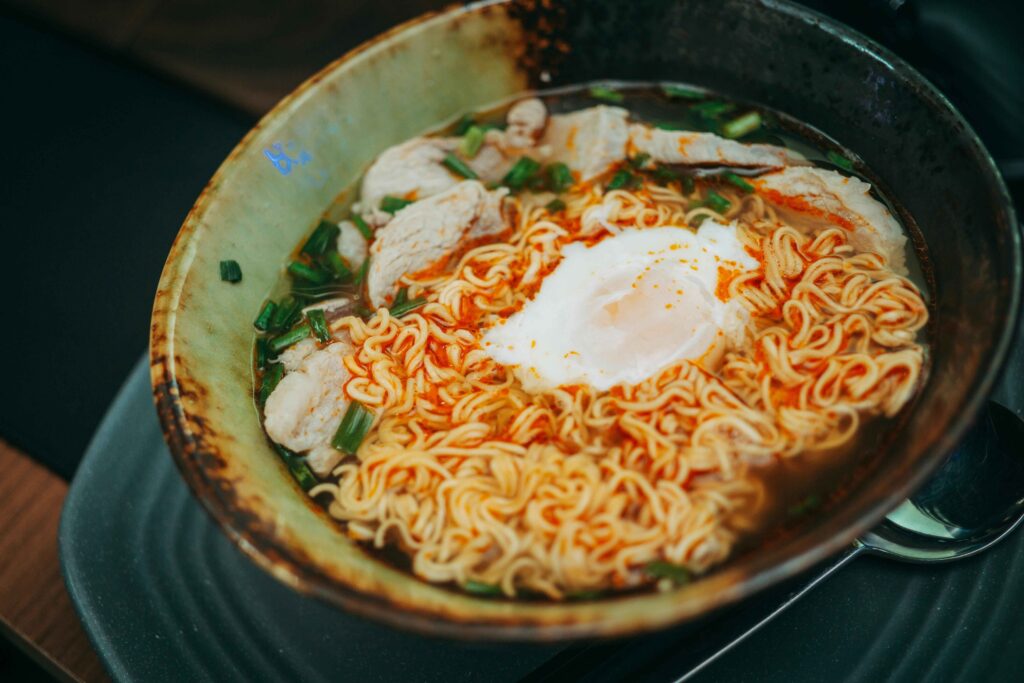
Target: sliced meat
[[411, 170], [430, 232], [707, 149], [304, 410], [807, 196], [589, 141], [333, 309], [526, 120], [293, 356], [351, 244]]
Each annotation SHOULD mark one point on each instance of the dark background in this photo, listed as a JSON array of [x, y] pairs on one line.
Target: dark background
[[117, 112]]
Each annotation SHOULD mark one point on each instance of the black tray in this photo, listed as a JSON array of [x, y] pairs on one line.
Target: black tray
[[164, 596]]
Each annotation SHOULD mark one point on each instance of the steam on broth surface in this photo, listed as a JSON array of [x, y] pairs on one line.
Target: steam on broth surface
[[557, 353]]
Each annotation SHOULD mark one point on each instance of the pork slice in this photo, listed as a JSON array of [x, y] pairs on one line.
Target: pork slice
[[707, 149], [305, 408], [589, 141], [351, 244], [806, 197], [526, 121], [412, 170], [431, 231]]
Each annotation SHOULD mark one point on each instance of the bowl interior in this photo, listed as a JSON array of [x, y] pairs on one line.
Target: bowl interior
[[276, 183]]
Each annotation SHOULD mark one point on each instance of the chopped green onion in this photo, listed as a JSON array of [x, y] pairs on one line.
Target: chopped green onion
[[318, 323], [688, 184], [555, 205], [336, 264], [717, 202], [230, 271], [271, 377], [283, 341], [681, 93], [663, 174], [308, 273], [262, 353], [361, 274], [808, 504], [840, 161], [403, 304], [622, 179], [480, 588], [287, 313], [742, 125], [666, 570], [353, 428], [394, 204], [670, 125], [320, 239], [639, 161], [521, 173], [736, 180], [712, 109], [457, 165], [266, 316], [606, 94], [362, 227], [298, 467], [463, 124], [472, 141], [560, 177]]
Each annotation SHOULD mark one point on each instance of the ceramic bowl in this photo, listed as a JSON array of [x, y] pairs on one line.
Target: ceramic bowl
[[287, 170]]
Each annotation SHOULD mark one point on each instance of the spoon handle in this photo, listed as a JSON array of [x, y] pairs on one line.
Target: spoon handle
[[734, 627]]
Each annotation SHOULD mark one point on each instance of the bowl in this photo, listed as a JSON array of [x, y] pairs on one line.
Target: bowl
[[318, 140]]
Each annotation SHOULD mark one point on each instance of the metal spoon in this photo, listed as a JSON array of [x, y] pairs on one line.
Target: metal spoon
[[972, 502]]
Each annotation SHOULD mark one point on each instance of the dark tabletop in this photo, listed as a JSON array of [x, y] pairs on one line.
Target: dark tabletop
[[104, 156]]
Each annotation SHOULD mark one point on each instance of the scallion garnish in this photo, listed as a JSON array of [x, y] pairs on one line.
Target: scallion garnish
[[688, 183], [318, 323], [559, 177], [666, 570], [680, 93], [622, 179], [362, 227], [717, 202], [742, 125], [463, 124], [287, 313], [555, 205], [283, 341], [521, 173], [394, 204], [736, 180], [271, 377], [353, 428], [298, 467], [262, 353], [230, 271], [321, 238], [663, 174], [265, 318], [403, 304], [712, 109], [472, 141], [606, 94], [361, 273], [333, 261], [669, 125], [638, 161], [308, 273], [840, 161], [457, 165], [481, 588]]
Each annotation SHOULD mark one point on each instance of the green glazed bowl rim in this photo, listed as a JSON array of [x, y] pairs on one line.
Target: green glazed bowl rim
[[619, 615]]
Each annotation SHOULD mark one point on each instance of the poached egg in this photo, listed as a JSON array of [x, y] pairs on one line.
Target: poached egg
[[622, 310]]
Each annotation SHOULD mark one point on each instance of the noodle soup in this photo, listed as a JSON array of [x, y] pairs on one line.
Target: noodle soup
[[574, 345]]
